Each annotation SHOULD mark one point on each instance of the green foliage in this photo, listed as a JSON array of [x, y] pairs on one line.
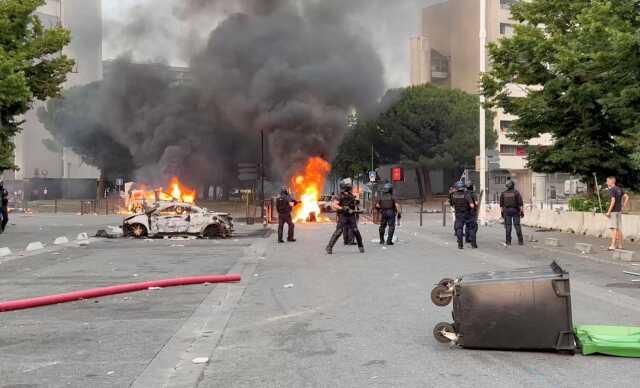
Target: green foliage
[[31, 67], [425, 126], [588, 204], [579, 65]]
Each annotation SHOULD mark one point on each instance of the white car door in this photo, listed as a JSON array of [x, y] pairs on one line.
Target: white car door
[[171, 220]]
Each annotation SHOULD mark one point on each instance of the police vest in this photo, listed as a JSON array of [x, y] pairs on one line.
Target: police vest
[[510, 199], [460, 202], [387, 203], [347, 201]]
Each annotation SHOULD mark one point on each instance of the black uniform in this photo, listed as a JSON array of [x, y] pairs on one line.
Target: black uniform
[[461, 202], [283, 205], [347, 234], [471, 222], [348, 202], [512, 210], [4, 208], [388, 210]]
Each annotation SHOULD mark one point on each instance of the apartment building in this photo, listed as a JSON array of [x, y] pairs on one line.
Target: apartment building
[[448, 53], [36, 155]]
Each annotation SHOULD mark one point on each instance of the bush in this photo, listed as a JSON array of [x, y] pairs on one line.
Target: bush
[[587, 204]]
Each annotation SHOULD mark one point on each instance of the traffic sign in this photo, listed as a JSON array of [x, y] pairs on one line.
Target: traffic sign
[[372, 176]]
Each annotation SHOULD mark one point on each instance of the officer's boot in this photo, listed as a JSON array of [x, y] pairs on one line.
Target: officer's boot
[[460, 244], [332, 242], [392, 231], [381, 236]]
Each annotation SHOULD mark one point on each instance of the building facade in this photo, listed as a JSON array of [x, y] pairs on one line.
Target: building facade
[[450, 40], [37, 155]]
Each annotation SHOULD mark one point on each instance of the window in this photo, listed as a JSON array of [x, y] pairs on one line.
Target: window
[[513, 150], [506, 29], [506, 4], [501, 179], [506, 126]]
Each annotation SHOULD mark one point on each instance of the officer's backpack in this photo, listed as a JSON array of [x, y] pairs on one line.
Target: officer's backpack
[[282, 205]]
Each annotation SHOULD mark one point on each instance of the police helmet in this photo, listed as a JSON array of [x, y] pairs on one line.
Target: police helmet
[[284, 190], [470, 185], [510, 184], [346, 185], [387, 188], [460, 186]]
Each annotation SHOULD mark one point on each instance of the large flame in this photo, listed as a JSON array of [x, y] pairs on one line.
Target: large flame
[[144, 197], [308, 186]]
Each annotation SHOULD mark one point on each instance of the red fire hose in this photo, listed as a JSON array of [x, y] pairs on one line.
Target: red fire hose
[[105, 291]]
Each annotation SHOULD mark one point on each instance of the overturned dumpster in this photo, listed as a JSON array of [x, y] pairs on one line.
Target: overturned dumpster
[[525, 309]]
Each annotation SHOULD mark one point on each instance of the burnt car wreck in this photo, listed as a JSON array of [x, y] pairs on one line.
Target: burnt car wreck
[[178, 219]]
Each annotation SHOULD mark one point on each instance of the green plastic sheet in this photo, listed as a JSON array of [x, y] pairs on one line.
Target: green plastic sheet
[[609, 340]]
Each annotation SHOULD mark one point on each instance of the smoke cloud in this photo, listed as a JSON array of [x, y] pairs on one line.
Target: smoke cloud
[[293, 69]]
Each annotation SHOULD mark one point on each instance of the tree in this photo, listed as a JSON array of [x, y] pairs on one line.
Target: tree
[[579, 64], [31, 67], [425, 127]]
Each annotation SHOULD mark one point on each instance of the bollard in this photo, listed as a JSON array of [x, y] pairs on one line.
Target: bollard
[[444, 214], [421, 211], [55, 206]]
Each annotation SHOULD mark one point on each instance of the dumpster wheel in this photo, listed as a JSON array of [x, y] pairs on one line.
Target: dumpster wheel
[[445, 333], [446, 282], [441, 296]]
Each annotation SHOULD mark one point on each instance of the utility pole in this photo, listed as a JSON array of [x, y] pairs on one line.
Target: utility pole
[[483, 123], [372, 152], [262, 213]]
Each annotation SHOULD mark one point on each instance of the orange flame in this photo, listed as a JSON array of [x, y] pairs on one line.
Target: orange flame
[[143, 197], [308, 186]]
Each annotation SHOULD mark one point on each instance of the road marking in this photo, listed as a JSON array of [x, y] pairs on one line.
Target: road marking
[[199, 335]]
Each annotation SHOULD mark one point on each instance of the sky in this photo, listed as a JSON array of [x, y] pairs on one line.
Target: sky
[[390, 28]]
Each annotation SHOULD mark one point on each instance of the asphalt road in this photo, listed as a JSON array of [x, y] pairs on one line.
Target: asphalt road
[[300, 318]]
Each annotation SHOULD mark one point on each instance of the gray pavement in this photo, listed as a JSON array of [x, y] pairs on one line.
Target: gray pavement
[[355, 320], [299, 318], [26, 228]]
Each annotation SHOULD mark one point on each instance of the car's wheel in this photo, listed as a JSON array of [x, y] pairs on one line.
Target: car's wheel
[[213, 231], [138, 231]]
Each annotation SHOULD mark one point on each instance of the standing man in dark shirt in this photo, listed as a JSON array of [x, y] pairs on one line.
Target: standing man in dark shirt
[[284, 205], [618, 203], [4, 207], [512, 210]]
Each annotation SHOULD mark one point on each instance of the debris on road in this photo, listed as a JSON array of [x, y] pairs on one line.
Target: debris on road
[[584, 248], [23, 304], [5, 252], [61, 241], [200, 360], [154, 288], [631, 273], [290, 285], [35, 246], [617, 341], [480, 323]]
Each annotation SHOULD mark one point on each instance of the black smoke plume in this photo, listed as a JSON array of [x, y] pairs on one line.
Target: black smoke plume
[[292, 69]]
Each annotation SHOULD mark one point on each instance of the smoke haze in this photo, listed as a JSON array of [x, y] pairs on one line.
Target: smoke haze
[[291, 68]]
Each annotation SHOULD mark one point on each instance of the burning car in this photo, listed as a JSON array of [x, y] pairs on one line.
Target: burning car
[[175, 218]]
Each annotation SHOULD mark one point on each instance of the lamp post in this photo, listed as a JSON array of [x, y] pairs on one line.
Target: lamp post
[[483, 123]]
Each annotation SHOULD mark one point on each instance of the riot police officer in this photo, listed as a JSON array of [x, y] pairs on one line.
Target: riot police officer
[[346, 207], [471, 223], [4, 207], [512, 210], [284, 205], [389, 210], [462, 204]]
